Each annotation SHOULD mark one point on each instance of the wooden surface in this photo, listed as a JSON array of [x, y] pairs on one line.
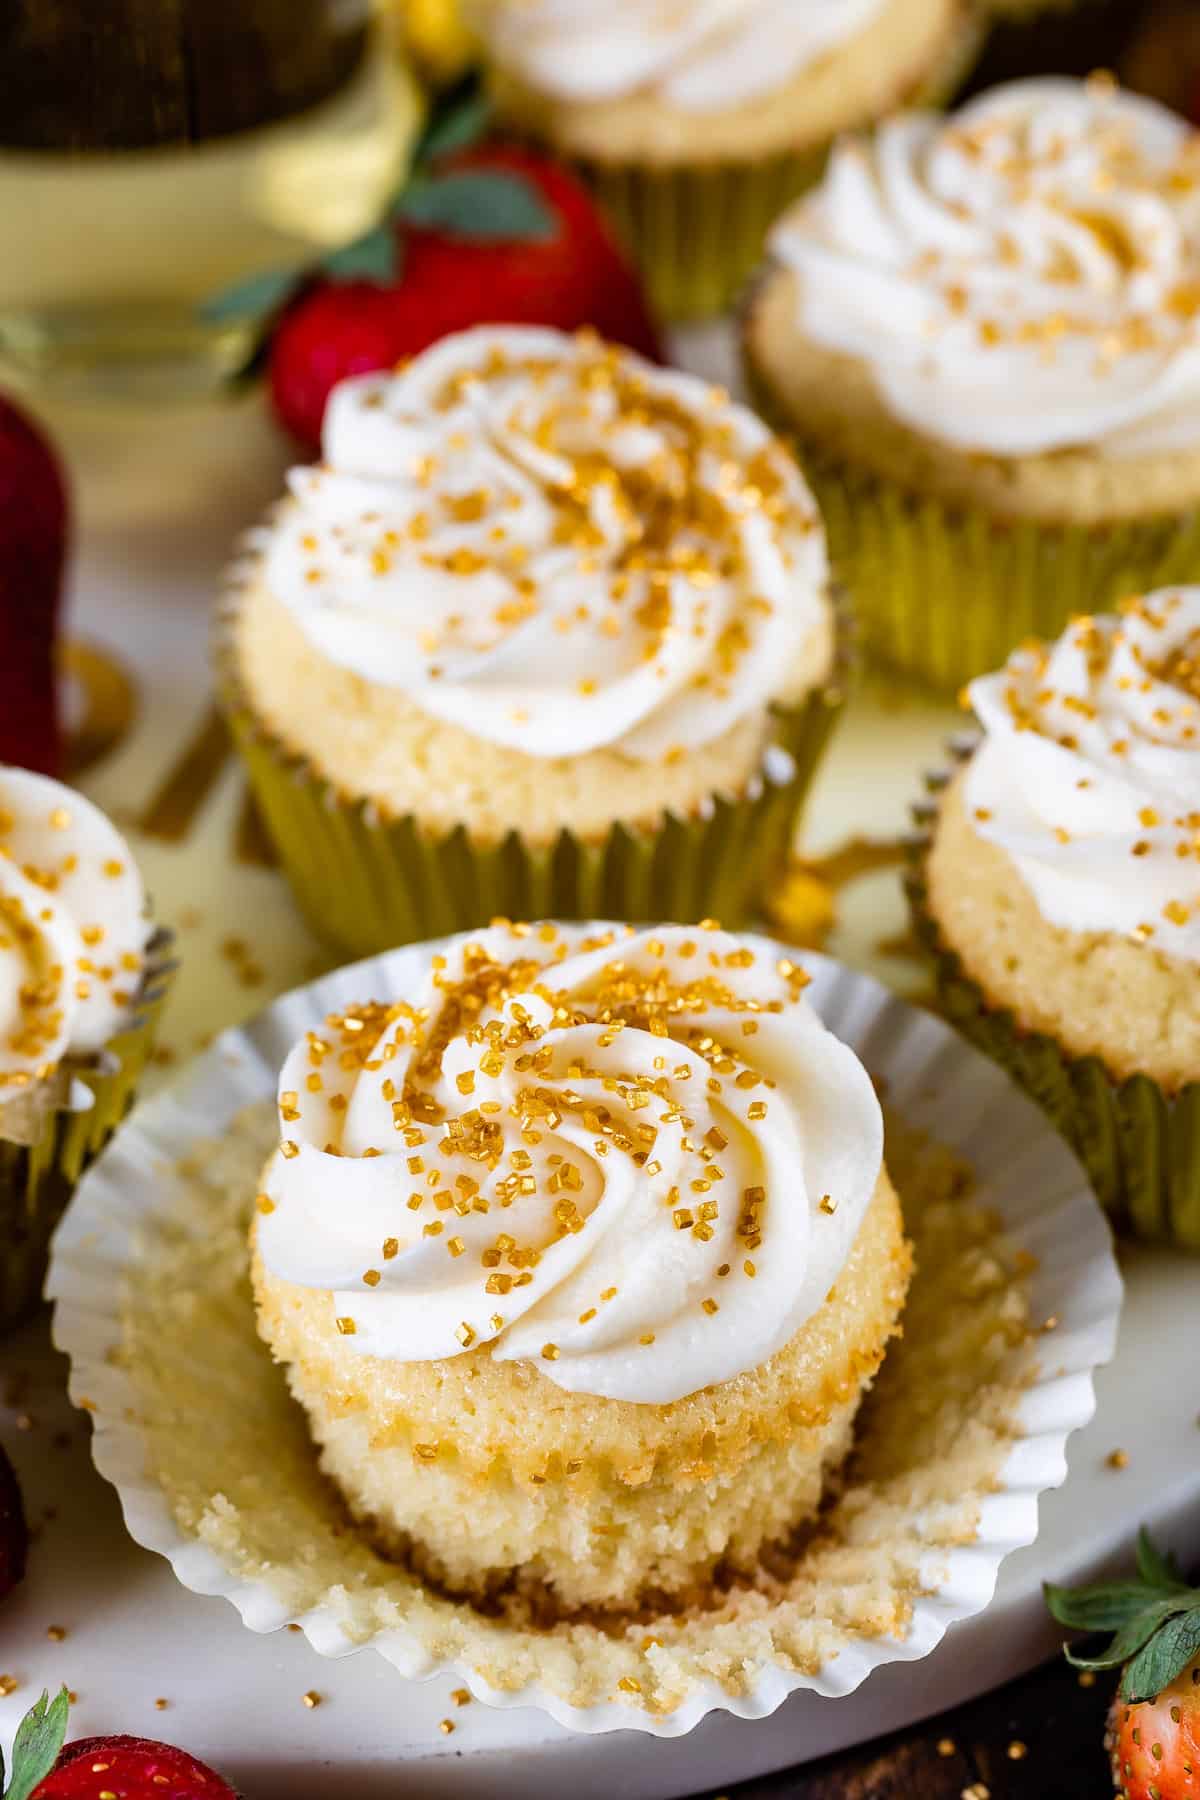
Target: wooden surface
[[1056, 1723], [89, 75]]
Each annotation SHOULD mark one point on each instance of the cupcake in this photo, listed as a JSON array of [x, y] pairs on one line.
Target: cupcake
[[986, 333], [698, 121], [82, 976], [1058, 888], [586, 1240], [547, 632]]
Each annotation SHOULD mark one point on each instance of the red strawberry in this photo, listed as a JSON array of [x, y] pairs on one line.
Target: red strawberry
[[130, 1768], [14, 1533], [100, 1768], [1154, 1721], [33, 534], [1155, 1746], [451, 281]]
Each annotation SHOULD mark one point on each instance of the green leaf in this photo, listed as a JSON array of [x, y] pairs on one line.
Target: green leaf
[[1153, 1567], [255, 298], [483, 204], [371, 257], [1132, 1636], [1167, 1655], [455, 127], [37, 1744], [1103, 1608]]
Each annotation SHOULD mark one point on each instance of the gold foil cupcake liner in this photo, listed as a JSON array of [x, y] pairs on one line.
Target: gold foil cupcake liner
[[944, 593], [696, 231], [38, 1175], [366, 880], [1139, 1143]]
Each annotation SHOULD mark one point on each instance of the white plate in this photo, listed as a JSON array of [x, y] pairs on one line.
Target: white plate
[[932, 1080]]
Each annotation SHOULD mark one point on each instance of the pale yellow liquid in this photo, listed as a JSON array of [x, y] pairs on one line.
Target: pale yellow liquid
[[105, 260]]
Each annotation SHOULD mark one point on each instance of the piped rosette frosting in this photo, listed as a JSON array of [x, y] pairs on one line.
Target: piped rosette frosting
[[698, 55], [634, 1159], [1089, 771], [556, 547], [73, 929], [1022, 277]]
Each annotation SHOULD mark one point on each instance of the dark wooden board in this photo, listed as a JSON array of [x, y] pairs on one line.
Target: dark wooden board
[[86, 75], [1056, 1722]]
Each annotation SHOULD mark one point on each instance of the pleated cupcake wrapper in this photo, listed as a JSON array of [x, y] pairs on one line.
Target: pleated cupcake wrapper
[[139, 1201], [366, 881], [697, 231], [1139, 1144], [943, 593], [37, 1178]]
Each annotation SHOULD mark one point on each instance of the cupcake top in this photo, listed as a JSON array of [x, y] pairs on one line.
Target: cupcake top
[[1089, 771], [1019, 278], [637, 1160], [73, 927], [555, 547], [697, 55]]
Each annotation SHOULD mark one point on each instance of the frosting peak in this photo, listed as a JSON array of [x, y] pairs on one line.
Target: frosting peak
[[73, 927], [1089, 772], [698, 55], [1020, 278], [635, 1159], [555, 547]]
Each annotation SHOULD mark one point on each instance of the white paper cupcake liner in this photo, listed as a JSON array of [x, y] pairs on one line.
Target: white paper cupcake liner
[[135, 1200]]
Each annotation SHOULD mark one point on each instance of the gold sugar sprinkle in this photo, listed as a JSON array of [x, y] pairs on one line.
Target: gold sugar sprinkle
[[1117, 1459], [311, 1699], [445, 1726]]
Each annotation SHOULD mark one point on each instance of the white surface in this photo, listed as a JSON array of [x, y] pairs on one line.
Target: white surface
[[159, 505], [133, 1199]]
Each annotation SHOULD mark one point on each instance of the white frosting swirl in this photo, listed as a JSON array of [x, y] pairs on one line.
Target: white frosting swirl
[[73, 927], [698, 55], [1024, 277], [556, 547], [1089, 773], [635, 1159]]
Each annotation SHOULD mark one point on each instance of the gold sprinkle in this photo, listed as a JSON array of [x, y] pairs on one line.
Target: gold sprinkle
[[161, 1704], [445, 1726], [8, 1685], [1017, 1751], [828, 1205], [311, 1699], [461, 1696], [465, 1334], [346, 1326], [391, 1248], [264, 1203], [946, 1747], [1117, 1459], [425, 1452], [550, 1352], [710, 1306], [372, 1277], [56, 1633]]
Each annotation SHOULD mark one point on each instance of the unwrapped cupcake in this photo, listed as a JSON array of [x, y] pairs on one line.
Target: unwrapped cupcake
[[547, 632], [581, 1256], [985, 332], [82, 977], [697, 120], [1059, 891]]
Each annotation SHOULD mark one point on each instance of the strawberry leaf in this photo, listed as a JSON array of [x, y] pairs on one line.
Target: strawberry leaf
[[455, 127], [371, 257], [1131, 1637], [37, 1744], [483, 204], [1104, 1608], [255, 298], [1153, 1567], [1165, 1656]]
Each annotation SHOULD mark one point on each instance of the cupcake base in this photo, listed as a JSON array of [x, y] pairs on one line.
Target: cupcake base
[[1139, 1143], [38, 1176], [943, 593], [581, 1502], [366, 881]]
